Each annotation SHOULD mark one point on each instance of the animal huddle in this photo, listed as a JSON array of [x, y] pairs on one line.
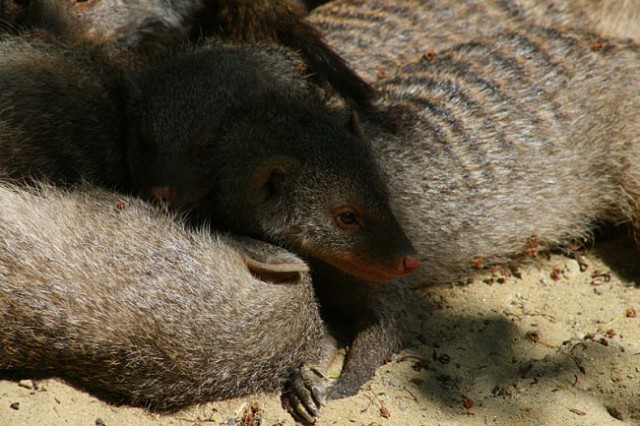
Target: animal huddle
[[476, 139]]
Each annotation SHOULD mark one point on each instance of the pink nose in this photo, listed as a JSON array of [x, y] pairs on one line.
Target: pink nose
[[163, 194], [411, 263]]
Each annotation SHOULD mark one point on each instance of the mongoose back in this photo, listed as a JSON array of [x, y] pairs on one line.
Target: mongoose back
[[120, 299], [237, 134], [61, 113], [523, 140], [154, 29], [378, 37]]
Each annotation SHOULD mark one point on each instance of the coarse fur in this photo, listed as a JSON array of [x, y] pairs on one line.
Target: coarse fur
[[377, 37], [455, 120], [119, 298], [143, 32], [61, 113], [238, 135]]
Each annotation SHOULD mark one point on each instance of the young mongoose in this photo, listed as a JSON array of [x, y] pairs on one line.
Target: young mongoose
[[153, 29], [240, 137], [117, 297], [63, 117]]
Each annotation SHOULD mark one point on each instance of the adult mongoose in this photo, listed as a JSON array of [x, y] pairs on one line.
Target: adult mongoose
[[119, 298]]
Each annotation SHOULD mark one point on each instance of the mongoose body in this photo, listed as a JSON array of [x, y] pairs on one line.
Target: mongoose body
[[478, 138], [143, 32], [120, 299], [61, 113], [511, 144]]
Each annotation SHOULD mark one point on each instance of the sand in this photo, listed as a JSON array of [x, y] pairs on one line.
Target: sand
[[549, 345]]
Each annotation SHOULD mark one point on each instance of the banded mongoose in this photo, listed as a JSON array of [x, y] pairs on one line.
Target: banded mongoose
[[494, 149], [120, 299], [154, 29], [64, 113]]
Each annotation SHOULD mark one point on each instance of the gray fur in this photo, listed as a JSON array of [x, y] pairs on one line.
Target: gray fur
[[377, 37], [119, 298]]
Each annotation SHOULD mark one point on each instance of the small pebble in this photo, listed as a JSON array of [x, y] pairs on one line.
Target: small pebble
[[231, 422], [394, 383], [27, 384], [100, 422], [15, 406]]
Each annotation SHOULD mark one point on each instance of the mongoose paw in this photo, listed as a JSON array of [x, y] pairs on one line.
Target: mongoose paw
[[341, 389], [304, 394]]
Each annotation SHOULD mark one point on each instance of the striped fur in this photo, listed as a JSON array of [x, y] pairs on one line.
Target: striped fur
[[378, 36], [525, 138]]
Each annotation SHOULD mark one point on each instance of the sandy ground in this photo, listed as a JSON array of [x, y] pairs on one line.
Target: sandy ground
[[549, 345]]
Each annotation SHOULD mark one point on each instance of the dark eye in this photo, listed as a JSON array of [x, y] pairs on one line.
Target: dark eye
[[348, 218]]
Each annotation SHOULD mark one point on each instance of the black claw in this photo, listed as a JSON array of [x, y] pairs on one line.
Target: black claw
[[301, 410], [304, 395]]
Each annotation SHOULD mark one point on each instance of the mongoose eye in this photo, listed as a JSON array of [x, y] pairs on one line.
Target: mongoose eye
[[347, 219]]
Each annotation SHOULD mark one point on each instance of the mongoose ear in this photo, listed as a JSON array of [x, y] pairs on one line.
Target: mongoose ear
[[354, 126], [275, 272], [271, 178], [267, 262]]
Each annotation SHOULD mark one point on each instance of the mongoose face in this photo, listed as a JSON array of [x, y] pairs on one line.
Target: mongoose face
[[237, 135]]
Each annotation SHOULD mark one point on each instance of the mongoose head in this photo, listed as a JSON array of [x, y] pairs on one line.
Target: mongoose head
[[321, 194], [240, 137]]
